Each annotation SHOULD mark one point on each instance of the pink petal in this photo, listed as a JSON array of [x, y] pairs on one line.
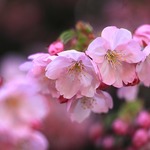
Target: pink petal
[[26, 66], [36, 106], [103, 102], [72, 54], [68, 85], [107, 73], [143, 71], [85, 78], [130, 52], [146, 50], [116, 36], [88, 91], [128, 73], [97, 49], [78, 113], [55, 68]]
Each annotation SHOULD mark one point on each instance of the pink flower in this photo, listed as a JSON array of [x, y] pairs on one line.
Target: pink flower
[[129, 93], [55, 48], [142, 68], [80, 108], [22, 138], [20, 104], [36, 70], [115, 54], [74, 73], [27, 139], [142, 35], [37, 65]]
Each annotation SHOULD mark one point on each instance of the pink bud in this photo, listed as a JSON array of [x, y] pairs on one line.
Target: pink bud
[[108, 142], [120, 127], [96, 131], [55, 48], [142, 34], [140, 138], [143, 119]]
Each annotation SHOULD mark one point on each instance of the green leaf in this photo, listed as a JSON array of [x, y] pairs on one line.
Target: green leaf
[[67, 36], [129, 110]]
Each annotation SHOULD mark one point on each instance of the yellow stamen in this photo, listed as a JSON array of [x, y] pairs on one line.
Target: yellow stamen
[[87, 103], [77, 66], [113, 58], [12, 102]]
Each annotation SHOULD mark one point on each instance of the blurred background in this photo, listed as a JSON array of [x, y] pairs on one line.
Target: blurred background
[[28, 26]]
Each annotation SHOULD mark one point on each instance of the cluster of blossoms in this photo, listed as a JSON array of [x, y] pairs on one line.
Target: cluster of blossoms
[[80, 78], [22, 110]]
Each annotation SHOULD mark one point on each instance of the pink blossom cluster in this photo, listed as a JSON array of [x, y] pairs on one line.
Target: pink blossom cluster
[[79, 79], [22, 109], [116, 58]]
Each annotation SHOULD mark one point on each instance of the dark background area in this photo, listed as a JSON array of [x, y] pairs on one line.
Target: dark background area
[[28, 26]]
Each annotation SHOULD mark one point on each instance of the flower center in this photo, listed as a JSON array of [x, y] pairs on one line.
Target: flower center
[[77, 66], [113, 58], [12, 102], [87, 103]]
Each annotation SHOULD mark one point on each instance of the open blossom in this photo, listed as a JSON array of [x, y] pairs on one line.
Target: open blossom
[[26, 139], [20, 104], [142, 68], [35, 69], [36, 66], [80, 108], [115, 54], [142, 35], [21, 139], [74, 73]]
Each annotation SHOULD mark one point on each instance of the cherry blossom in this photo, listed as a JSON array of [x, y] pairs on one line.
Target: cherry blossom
[[27, 139], [35, 69], [20, 104], [80, 108], [36, 66], [142, 67], [74, 73], [115, 54], [22, 138]]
